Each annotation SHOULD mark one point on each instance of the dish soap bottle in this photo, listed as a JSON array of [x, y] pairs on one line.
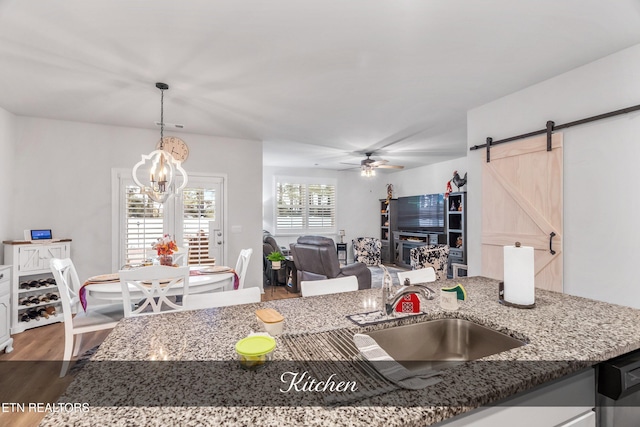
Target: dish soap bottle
[[387, 291]]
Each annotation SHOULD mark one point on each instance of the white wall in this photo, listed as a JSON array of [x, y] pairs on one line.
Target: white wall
[[8, 137], [63, 176], [601, 208], [357, 202], [428, 179]]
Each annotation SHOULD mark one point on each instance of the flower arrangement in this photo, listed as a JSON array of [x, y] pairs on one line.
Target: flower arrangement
[[165, 245]]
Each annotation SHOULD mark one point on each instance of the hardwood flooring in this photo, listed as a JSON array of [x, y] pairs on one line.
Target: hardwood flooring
[[33, 374]]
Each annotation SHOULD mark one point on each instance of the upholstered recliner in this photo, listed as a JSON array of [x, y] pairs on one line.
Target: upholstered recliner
[[436, 256], [269, 245], [367, 250], [316, 258]]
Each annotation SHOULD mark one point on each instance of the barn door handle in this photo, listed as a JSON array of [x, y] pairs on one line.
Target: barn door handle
[[551, 236]]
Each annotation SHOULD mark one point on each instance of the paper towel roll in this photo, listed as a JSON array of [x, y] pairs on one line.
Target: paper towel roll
[[519, 286]]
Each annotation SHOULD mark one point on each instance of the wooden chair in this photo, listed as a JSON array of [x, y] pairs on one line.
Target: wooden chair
[[221, 299], [422, 275], [242, 264], [94, 319], [158, 285], [329, 286]]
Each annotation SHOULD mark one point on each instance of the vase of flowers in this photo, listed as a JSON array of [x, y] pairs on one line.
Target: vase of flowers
[[165, 246]]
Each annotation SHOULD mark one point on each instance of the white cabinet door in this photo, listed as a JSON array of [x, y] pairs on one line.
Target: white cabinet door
[[34, 258], [5, 308], [29, 259], [53, 251], [5, 318]]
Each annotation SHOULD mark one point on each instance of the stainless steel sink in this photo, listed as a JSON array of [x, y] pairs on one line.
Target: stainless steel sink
[[436, 344]]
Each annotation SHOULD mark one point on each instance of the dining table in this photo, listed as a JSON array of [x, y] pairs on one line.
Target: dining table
[[202, 279]]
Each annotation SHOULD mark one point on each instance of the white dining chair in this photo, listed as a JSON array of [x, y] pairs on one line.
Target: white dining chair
[[311, 288], [421, 275], [221, 299], [242, 264], [157, 289], [180, 256], [94, 319]]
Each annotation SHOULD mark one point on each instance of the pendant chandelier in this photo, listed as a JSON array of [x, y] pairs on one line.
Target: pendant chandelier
[[162, 173]]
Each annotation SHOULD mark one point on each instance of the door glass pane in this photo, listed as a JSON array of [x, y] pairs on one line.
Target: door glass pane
[[199, 210], [144, 225]]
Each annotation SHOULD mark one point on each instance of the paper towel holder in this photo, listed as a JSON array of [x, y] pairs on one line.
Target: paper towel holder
[[510, 304]]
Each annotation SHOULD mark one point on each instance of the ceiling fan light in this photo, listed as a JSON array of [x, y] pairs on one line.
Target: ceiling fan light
[[367, 171]]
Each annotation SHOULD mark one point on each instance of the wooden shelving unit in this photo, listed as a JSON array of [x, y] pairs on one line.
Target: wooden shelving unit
[[457, 229], [388, 224]]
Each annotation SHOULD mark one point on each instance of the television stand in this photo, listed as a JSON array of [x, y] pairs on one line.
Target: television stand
[[404, 241]]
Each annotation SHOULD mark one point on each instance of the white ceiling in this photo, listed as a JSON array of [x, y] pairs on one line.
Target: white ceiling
[[318, 80]]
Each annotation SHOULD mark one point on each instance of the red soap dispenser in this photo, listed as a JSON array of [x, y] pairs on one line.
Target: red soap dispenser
[[408, 304]]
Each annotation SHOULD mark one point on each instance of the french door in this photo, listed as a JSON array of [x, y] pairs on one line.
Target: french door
[[194, 218], [199, 225]]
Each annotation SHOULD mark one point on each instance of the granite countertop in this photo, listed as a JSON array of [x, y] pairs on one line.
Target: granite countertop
[[563, 334]]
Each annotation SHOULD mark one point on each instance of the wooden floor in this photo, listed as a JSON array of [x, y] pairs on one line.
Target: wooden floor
[[46, 344]]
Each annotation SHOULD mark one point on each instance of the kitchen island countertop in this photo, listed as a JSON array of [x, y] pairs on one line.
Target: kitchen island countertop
[[563, 334]]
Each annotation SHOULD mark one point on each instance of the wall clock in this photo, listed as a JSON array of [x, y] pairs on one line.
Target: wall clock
[[176, 147]]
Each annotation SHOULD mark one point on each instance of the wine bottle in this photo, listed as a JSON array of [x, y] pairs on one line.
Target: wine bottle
[[24, 317], [42, 312], [52, 296], [44, 298], [51, 310]]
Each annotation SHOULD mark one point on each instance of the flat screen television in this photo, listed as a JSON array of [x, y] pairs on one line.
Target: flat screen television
[[423, 213]]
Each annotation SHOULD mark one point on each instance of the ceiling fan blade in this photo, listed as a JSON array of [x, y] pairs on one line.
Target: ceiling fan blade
[[379, 163], [390, 166]]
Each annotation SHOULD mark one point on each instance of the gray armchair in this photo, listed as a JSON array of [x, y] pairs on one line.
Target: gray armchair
[[316, 258]]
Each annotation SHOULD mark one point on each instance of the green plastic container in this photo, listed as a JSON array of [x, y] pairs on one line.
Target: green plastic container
[[255, 351]]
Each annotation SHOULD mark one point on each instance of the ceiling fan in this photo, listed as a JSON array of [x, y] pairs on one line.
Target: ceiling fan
[[368, 165]]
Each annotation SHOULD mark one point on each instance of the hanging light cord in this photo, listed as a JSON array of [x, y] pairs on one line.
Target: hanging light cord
[[161, 119]]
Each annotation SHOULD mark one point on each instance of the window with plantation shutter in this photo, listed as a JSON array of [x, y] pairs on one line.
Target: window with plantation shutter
[[144, 224], [305, 206]]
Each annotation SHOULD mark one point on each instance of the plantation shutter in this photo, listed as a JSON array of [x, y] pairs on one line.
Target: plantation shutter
[[291, 206], [305, 207], [144, 220], [198, 209], [321, 206]]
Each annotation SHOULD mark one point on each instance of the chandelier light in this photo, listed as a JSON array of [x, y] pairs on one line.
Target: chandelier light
[[162, 173]]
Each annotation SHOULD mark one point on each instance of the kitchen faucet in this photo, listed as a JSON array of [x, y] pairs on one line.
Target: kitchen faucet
[[389, 299]]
